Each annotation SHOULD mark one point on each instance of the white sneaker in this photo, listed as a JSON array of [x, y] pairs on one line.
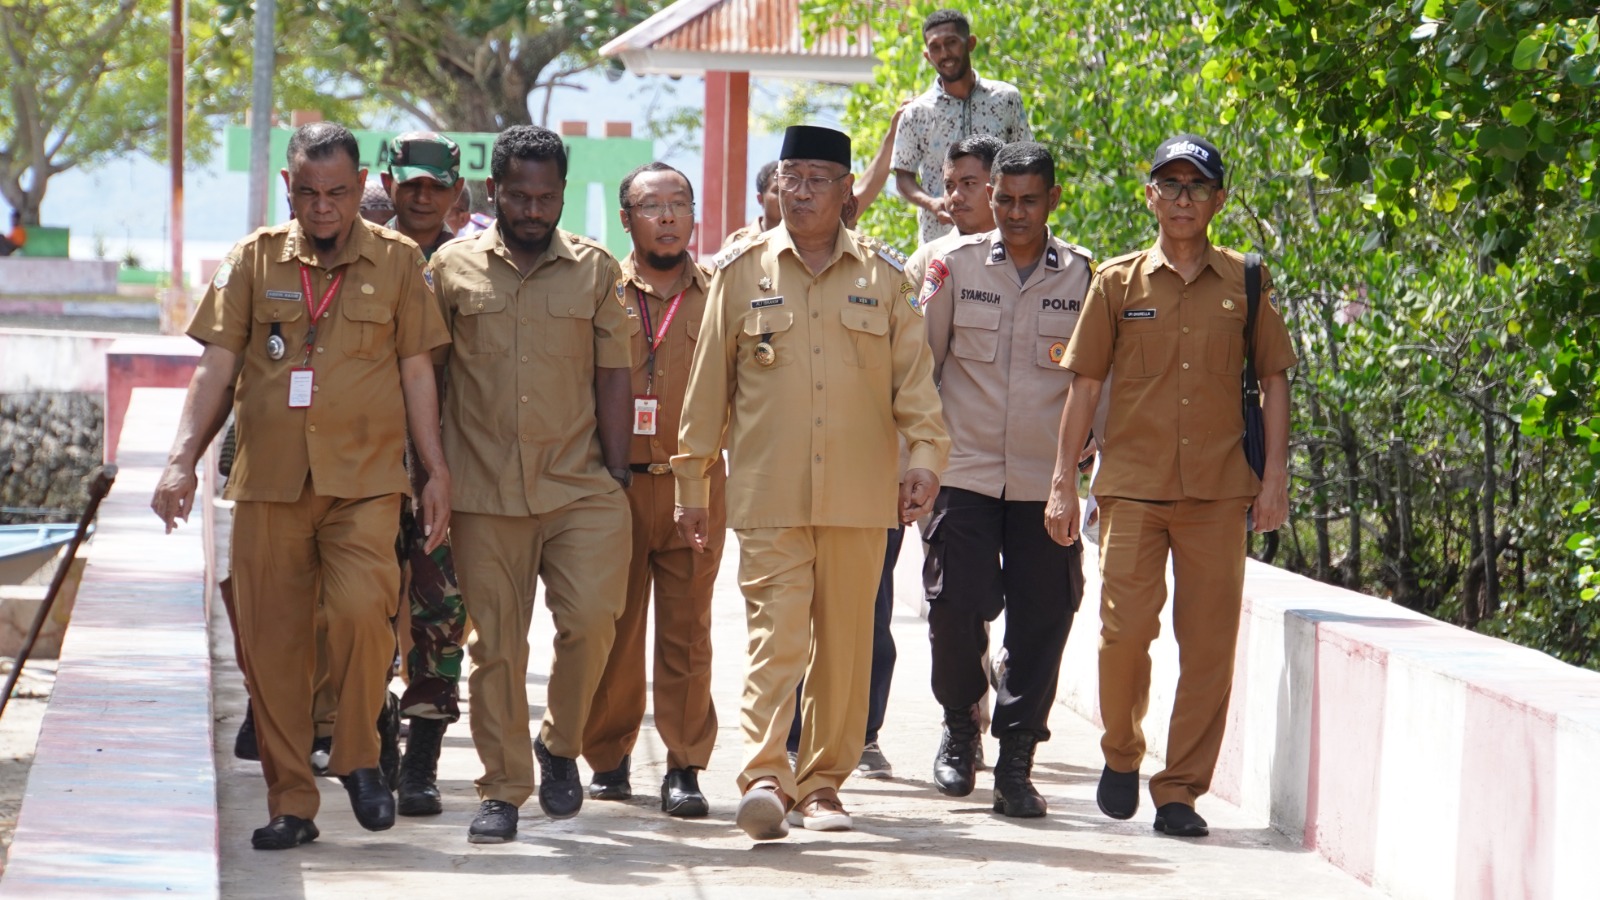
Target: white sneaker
[[821, 812], [761, 815]]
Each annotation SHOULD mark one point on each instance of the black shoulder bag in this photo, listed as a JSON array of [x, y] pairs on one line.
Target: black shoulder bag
[[1255, 434]]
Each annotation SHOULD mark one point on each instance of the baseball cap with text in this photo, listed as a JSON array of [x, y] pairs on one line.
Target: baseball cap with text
[[1204, 154], [419, 154]]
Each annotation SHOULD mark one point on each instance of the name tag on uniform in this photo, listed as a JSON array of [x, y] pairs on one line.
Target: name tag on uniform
[[1138, 314], [765, 302], [284, 295], [864, 301], [299, 388], [644, 414]]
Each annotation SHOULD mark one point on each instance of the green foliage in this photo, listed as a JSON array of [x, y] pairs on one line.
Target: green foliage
[[461, 65], [1420, 177]]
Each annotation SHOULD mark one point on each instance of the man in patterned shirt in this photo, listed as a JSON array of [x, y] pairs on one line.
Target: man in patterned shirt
[[958, 105]]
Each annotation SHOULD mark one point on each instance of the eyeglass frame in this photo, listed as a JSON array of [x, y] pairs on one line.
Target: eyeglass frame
[[662, 209], [1210, 188], [814, 183]]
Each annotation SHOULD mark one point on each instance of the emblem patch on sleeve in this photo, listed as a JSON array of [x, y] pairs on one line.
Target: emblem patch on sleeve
[[224, 272], [935, 278]]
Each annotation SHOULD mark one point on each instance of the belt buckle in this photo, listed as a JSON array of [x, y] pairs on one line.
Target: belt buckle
[[660, 468]]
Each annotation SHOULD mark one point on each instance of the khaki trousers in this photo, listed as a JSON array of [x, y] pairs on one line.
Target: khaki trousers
[[1206, 539], [575, 550], [681, 678], [808, 599], [281, 552]]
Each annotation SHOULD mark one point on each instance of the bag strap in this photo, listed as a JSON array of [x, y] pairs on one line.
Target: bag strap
[[1252, 291]]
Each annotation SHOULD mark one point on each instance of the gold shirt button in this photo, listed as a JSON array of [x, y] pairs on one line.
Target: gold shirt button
[[1185, 329], [1186, 401], [524, 398], [1186, 365], [313, 428], [1185, 442], [661, 373]]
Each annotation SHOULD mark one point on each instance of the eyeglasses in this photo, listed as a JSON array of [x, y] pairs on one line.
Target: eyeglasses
[[680, 209], [1199, 191], [791, 183]]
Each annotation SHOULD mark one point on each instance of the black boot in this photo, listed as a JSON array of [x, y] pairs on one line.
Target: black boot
[[244, 743], [560, 789], [389, 740], [419, 769], [1014, 795], [953, 766]]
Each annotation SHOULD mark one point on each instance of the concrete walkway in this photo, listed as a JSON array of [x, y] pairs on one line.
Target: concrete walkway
[[909, 840]]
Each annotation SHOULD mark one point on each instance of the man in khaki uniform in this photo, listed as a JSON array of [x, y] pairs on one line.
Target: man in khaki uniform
[[1173, 477], [664, 293], [812, 355], [999, 317], [321, 331], [771, 211], [536, 423]]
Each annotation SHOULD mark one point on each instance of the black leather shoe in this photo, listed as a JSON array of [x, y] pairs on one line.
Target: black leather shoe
[[419, 769], [560, 788], [389, 741], [1118, 794], [1180, 820], [370, 798], [283, 833], [496, 823], [953, 766], [680, 795], [1014, 794], [244, 743], [612, 784]]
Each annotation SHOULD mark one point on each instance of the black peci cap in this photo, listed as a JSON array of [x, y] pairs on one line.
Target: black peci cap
[[816, 142]]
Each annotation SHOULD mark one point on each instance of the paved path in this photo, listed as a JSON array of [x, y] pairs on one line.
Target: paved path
[[909, 840]]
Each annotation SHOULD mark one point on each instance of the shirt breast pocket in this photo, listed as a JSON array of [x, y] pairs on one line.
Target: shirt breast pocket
[[868, 329], [570, 330], [286, 316], [1145, 348], [479, 326], [976, 335], [1055, 331], [1225, 345], [772, 326], [371, 330]]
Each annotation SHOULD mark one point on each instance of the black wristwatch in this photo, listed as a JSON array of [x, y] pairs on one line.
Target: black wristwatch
[[623, 475]]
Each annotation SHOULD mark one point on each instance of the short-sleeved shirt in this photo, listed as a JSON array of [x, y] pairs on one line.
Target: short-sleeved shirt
[[997, 348], [935, 120], [811, 437], [521, 433], [668, 379], [1175, 425], [351, 439]]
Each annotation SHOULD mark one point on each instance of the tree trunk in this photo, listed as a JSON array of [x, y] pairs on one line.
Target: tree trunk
[[1491, 573]]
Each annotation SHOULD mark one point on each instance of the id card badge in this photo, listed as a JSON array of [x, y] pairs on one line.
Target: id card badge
[[299, 388], [644, 414]]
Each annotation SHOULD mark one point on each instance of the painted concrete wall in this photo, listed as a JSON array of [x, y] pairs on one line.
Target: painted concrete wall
[[20, 275], [37, 360], [1425, 759]]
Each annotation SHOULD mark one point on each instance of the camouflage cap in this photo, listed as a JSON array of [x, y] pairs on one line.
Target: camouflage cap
[[424, 154]]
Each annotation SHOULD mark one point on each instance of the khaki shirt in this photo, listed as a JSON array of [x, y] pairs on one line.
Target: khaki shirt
[[810, 438], [997, 347], [742, 234], [351, 439], [673, 358], [521, 434], [1175, 428]]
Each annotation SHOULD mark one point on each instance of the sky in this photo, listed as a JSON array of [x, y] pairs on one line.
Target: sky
[[122, 205]]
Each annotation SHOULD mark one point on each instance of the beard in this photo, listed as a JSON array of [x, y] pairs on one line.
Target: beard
[[961, 72], [518, 243], [661, 262]]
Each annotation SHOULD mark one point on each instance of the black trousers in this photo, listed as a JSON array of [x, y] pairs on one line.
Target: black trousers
[[985, 556]]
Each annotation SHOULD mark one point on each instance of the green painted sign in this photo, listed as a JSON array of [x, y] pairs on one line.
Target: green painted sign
[[595, 168]]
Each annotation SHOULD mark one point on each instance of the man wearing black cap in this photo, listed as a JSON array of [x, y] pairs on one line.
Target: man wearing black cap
[[1173, 477], [812, 357]]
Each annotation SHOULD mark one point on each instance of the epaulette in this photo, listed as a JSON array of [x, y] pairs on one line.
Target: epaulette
[[730, 253], [885, 252], [1084, 252], [586, 241], [1116, 260]]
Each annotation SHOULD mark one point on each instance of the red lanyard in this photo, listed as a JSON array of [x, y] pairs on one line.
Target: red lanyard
[[666, 322], [322, 305]]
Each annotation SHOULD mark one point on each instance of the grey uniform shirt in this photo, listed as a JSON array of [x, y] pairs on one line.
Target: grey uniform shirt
[[997, 350]]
